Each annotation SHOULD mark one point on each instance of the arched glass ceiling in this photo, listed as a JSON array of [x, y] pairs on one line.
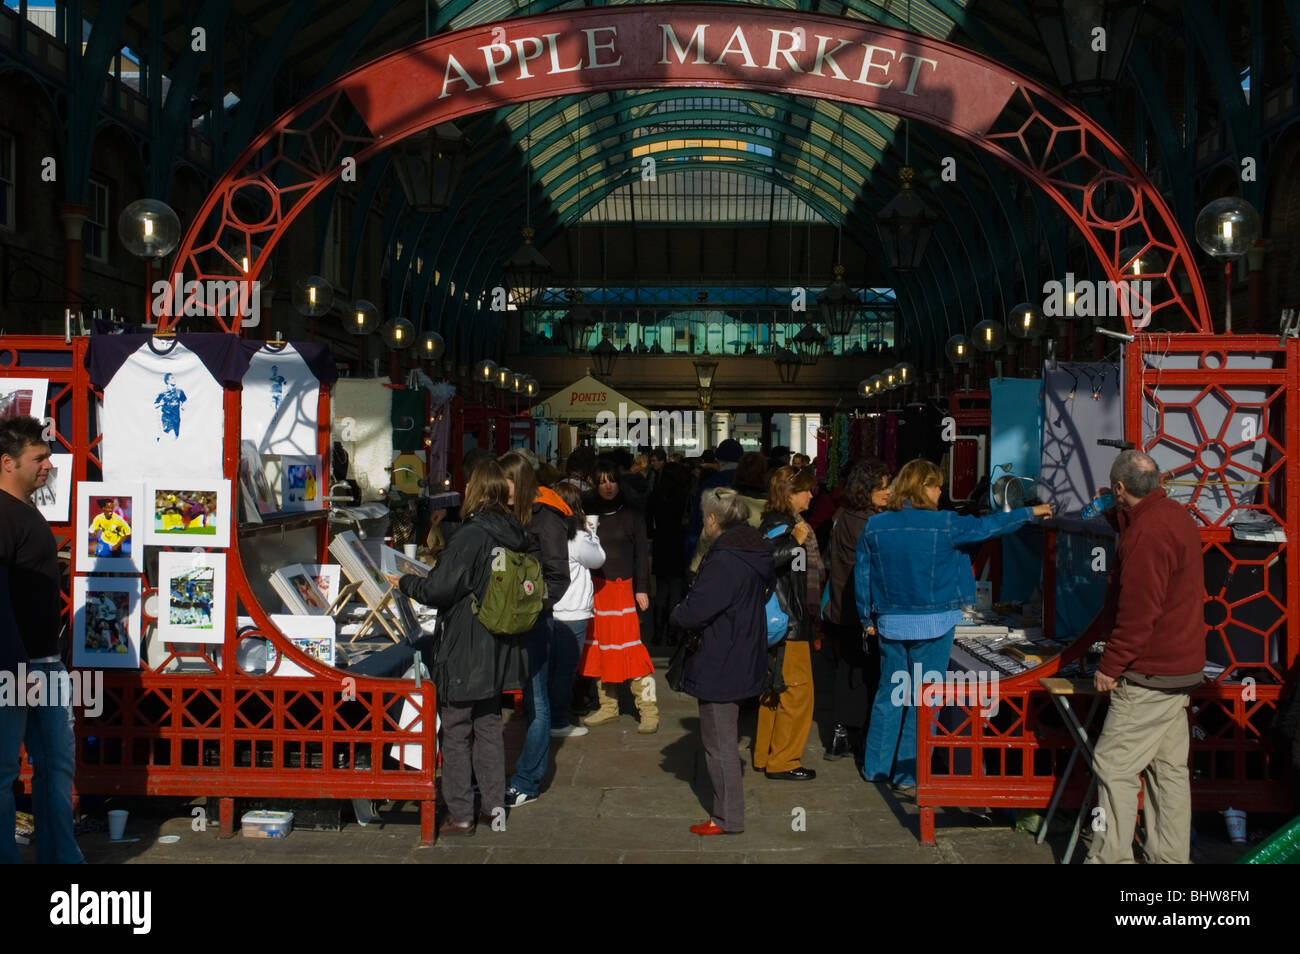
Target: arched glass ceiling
[[709, 123]]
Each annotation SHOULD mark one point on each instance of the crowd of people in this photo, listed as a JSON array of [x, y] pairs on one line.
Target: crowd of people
[[700, 556]]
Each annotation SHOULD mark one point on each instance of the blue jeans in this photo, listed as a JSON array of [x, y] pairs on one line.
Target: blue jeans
[[890, 753], [47, 732], [531, 767], [566, 651]]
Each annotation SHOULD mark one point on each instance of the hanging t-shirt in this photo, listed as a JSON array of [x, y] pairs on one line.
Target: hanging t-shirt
[[278, 408], [163, 411]]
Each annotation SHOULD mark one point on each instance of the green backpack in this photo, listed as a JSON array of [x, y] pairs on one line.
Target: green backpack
[[512, 600]]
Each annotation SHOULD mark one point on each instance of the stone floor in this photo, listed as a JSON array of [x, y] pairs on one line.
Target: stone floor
[[617, 796]]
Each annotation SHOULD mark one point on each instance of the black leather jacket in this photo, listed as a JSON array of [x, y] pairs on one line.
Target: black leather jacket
[[791, 583]]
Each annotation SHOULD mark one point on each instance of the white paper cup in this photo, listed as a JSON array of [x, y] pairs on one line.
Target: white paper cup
[[117, 824], [410, 549], [1235, 819]]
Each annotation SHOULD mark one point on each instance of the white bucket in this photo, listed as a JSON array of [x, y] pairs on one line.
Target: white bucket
[[117, 824], [1236, 822]]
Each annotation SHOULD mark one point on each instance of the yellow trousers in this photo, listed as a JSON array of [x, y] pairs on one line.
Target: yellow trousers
[[783, 728]]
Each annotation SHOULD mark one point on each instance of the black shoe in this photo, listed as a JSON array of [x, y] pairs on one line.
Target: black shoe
[[796, 774], [840, 745]]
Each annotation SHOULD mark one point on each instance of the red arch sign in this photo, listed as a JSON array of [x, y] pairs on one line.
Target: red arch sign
[[1065, 153]]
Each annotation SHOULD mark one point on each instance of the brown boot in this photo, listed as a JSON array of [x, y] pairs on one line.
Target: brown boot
[[647, 704], [608, 711]]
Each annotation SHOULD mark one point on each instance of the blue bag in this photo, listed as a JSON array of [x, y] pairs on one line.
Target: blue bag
[[777, 620]]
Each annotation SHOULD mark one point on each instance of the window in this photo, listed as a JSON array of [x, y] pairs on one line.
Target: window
[[7, 194], [94, 234]]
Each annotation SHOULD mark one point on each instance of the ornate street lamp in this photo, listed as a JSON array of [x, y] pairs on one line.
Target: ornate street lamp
[[429, 166], [705, 366], [313, 296], [905, 225], [787, 365], [1225, 229], [1087, 41], [399, 334]]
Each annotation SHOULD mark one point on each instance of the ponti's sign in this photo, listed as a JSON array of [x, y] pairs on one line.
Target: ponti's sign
[[682, 45]]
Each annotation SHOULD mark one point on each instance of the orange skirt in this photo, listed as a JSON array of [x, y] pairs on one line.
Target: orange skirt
[[614, 651]]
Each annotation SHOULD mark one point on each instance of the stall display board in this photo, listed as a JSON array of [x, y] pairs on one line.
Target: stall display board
[[178, 722]]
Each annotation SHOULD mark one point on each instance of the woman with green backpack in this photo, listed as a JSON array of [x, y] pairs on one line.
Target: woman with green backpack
[[471, 664]]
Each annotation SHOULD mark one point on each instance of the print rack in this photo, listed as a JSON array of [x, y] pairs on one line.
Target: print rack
[[1187, 398], [196, 724]]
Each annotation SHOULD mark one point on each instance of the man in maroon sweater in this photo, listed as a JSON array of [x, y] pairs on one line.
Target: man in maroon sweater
[[1154, 656]]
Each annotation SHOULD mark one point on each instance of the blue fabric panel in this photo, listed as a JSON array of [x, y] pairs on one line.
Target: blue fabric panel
[[1080, 590], [1022, 564], [1016, 430]]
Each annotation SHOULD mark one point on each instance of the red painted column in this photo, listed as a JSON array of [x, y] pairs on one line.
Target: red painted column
[[74, 217]]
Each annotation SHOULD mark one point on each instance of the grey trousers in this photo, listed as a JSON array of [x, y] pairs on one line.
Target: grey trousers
[[472, 742], [721, 737]]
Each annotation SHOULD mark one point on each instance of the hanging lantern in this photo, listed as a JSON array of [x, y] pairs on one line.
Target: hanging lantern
[[808, 344], [429, 166], [787, 365], [576, 326], [839, 304], [526, 273], [1069, 30], [603, 357], [905, 225], [704, 371]]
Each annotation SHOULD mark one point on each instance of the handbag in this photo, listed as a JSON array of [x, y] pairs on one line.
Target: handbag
[[688, 644], [778, 621]]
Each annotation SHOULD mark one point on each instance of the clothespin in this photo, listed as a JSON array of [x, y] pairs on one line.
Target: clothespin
[[998, 364]]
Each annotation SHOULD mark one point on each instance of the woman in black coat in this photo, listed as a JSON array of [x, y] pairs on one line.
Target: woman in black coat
[[471, 666], [726, 604]]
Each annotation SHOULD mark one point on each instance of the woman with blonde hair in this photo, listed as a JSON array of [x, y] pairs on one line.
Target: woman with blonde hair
[[911, 580], [785, 712]]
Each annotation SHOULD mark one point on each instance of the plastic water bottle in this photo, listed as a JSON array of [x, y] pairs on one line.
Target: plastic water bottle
[[1096, 507]]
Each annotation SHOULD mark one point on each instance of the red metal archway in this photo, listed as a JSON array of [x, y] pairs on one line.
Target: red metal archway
[[1056, 146]]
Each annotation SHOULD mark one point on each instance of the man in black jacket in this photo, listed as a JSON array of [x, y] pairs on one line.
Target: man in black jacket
[[29, 552]]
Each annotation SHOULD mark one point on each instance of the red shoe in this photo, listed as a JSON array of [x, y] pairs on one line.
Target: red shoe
[[707, 828]]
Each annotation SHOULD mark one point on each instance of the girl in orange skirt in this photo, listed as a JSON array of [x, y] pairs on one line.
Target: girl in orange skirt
[[614, 652]]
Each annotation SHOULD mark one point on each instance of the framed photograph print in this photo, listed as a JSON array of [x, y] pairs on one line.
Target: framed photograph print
[[110, 528], [300, 483], [328, 577], [106, 622], [297, 587], [252, 478], [313, 635], [395, 565], [23, 397], [188, 512], [192, 591], [53, 500], [359, 566]]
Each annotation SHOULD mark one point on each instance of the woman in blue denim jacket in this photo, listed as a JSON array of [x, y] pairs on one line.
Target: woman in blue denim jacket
[[911, 581]]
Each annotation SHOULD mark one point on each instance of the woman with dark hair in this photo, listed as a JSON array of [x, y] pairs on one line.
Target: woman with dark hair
[[666, 524], [573, 611], [785, 713], [854, 654], [911, 580], [614, 652], [542, 513], [726, 605], [471, 666]]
